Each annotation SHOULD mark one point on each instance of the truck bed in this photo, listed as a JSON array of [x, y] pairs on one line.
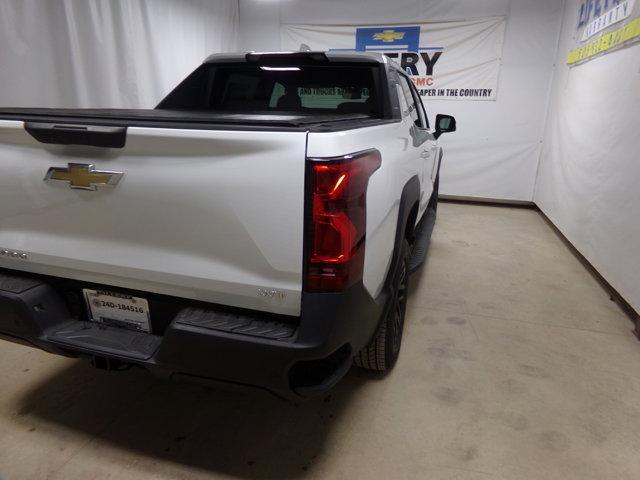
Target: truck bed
[[201, 120]]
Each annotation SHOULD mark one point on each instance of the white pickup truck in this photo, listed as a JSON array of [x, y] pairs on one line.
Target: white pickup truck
[[257, 228]]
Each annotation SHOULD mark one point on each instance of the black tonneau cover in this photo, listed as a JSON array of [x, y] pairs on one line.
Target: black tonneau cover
[[205, 120]]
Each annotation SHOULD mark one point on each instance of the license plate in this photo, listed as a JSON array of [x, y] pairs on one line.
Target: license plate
[[117, 309]]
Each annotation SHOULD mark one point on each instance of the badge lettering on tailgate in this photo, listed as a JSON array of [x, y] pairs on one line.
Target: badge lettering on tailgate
[[272, 294], [6, 253]]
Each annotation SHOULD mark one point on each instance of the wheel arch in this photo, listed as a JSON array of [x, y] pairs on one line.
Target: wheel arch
[[409, 199]]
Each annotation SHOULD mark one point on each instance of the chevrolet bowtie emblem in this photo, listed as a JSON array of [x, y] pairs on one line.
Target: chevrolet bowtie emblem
[[83, 176], [388, 35]]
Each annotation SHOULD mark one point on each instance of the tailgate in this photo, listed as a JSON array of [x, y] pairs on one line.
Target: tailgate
[[211, 215]]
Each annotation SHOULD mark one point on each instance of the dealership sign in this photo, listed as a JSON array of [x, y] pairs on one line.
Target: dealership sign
[[603, 26], [445, 60]]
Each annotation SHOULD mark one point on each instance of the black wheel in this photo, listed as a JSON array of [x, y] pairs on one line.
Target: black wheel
[[381, 354], [433, 202]]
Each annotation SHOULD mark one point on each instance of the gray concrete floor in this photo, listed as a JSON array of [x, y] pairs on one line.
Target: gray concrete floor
[[515, 365]]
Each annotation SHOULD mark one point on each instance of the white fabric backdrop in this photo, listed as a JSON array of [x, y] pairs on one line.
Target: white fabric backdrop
[[495, 153], [467, 53], [104, 53], [589, 178]]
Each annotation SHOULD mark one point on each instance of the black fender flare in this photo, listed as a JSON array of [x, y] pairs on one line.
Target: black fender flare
[[410, 197]]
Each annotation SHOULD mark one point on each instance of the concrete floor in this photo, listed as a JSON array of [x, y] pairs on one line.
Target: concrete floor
[[515, 365]]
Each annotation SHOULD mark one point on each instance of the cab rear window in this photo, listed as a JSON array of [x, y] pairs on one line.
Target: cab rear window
[[332, 89]]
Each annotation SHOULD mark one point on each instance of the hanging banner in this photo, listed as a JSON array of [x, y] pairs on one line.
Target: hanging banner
[[603, 26], [445, 60]]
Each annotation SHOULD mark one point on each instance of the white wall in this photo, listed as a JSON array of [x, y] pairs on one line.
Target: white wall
[[589, 178], [495, 154], [103, 53]]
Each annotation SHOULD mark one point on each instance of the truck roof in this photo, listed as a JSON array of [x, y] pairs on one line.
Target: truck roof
[[310, 57]]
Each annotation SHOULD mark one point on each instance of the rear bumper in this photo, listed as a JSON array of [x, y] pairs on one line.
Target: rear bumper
[[291, 360]]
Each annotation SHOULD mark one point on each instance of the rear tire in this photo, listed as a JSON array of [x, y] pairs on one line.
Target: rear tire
[[383, 350]]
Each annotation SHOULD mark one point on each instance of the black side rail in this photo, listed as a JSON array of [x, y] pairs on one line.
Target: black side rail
[[63, 134]]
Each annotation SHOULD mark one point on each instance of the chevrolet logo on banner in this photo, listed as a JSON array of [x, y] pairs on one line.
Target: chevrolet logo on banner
[[388, 35], [83, 176], [388, 38]]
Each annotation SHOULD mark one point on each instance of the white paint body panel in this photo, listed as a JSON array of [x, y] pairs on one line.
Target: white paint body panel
[[200, 214]]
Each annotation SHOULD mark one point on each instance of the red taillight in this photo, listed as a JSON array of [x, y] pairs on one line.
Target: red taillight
[[338, 219]]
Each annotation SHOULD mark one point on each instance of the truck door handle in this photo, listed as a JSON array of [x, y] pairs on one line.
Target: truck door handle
[[425, 154]]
